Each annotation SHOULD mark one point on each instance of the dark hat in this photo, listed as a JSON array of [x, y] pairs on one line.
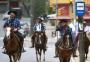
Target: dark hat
[[12, 12], [39, 19], [63, 20]]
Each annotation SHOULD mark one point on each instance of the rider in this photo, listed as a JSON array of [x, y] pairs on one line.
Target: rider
[[77, 35], [38, 27], [15, 23], [62, 27]]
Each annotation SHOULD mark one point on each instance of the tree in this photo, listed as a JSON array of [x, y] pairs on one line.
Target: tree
[[26, 4], [34, 9], [38, 7]]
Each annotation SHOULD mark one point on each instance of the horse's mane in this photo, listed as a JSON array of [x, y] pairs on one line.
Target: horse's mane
[[15, 36]]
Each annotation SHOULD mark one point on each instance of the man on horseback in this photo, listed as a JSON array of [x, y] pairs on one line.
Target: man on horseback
[[38, 27], [63, 28], [77, 28], [14, 23]]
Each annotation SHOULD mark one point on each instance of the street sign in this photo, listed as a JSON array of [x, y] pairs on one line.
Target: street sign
[[80, 8]]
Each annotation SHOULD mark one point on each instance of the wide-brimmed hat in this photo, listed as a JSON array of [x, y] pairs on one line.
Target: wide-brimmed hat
[[12, 12], [39, 19], [63, 20]]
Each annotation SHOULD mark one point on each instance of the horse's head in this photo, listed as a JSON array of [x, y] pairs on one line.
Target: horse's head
[[67, 40], [8, 31], [38, 37]]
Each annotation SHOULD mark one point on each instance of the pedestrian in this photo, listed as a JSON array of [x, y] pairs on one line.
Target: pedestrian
[[26, 30]]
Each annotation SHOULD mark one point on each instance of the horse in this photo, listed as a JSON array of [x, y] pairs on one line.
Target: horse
[[86, 42], [65, 48], [12, 45], [40, 45]]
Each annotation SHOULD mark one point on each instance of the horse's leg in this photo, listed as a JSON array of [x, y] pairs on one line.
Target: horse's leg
[[37, 55], [19, 56], [10, 58], [15, 57], [40, 51], [86, 51], [68, 59], [43, 55], [60, 59]]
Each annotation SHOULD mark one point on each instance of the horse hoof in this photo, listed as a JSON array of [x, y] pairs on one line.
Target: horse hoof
[[32, 47], [55, 56], [4, 52], [23, 51]]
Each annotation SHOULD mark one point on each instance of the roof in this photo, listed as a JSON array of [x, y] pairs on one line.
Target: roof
[[86, 17], [60, 17]]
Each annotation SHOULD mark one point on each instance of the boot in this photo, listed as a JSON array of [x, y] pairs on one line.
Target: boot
[[4, 52]]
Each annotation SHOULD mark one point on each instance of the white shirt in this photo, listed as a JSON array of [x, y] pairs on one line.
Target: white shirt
[[87, 29], [71, 25], [38, 27], [76, 28]]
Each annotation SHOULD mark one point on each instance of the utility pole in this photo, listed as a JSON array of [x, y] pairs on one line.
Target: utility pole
[[80, 11], [74, 11], [56, 16], [81, 40]]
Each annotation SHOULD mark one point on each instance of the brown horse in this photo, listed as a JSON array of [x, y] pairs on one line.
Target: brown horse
[[86, 42], [12, 45], [65, 49], [40, 45]]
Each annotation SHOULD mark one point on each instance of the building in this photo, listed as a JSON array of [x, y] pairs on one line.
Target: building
[[64, 8], [4, 4], [7, 4], [87, 11]]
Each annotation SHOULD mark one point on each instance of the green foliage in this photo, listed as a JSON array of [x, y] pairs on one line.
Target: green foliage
[[50, 10], [39, 7]]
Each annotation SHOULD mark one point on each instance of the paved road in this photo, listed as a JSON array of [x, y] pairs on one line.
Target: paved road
[[29, 55]]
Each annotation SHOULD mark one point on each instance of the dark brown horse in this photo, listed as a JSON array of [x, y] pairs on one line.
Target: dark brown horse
[[65, 49], [40, 45], [12, 44], [86, 42]]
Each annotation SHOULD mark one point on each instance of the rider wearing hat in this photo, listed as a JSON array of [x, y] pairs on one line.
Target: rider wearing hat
[[38, 27], [62, 27], [15, 23]]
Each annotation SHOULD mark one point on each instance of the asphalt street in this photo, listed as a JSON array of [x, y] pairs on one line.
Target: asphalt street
[[29, 55]]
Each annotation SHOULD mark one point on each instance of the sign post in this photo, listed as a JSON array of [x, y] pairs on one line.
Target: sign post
[[80, 11]]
